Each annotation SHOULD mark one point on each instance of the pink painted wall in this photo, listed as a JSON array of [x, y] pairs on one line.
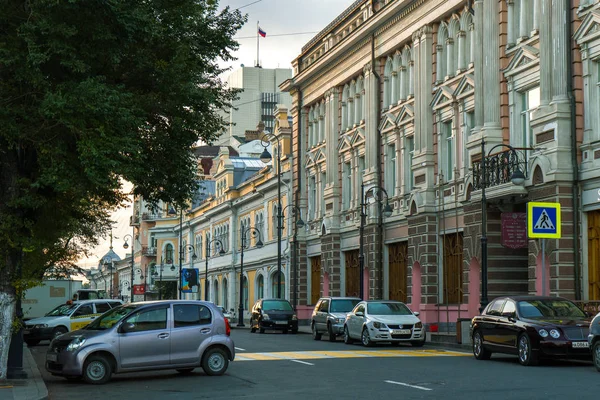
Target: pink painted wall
[[326, 284], [366, 283], [474, 286], [415, 304], [304, 312], [538, 275]]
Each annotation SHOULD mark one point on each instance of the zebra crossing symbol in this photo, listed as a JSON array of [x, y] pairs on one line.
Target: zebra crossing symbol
[[543, 220]]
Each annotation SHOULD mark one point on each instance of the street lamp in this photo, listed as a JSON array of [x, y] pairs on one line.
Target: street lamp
[[218, 244], [517, 178], [155, 274], [254, 233], [265, 157], [378, 194], [106, 265], [172, 212], [142, 277], [126, 246], [299, 224]]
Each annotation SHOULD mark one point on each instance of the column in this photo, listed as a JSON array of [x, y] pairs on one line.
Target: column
[[371, 118], [425, 71], [450, 69], [561, 45], [491, 64], [394, 89], [545, 53], [357, 104], [417, 87], [536, 17], [402, 83], [477, 50], [510, 40], [462, 62], [523, 15], [438, 64]]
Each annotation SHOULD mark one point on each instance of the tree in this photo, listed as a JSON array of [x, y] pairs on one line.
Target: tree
[[93, 92]]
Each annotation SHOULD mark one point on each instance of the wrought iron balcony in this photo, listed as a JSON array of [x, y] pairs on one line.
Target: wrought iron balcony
[[148, 251], [151, 216], [499, 168]]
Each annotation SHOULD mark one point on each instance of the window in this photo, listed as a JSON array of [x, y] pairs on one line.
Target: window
[[509, 308], [345, 106], [277, 278], [447, 153], [198, 246], [322, 194], [169, 253], [260, 287], [324, 307], [361, 169], [225, 293], [274, 215], [390, 169], [409, 150], [216, 291], [312, 196], [495, 307], [85, 309], [102, 307], [149, 320], [190, 315], [530, 101], [346, 186], [245, 286]]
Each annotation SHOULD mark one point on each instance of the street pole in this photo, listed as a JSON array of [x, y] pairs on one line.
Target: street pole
[[484, 266], [361, 255], [241, 306], [206, 270], [279, 222], [180, 249], [132, 262], [160, 280]]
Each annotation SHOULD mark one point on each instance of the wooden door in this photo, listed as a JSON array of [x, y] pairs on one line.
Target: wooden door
[[398, 271], [594, 255], [453, 257], [315, 279], [352, 273]]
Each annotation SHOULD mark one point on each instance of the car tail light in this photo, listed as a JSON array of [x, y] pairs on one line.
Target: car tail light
[[227, 327]]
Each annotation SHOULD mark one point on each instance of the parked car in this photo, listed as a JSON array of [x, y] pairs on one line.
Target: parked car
[[531, 327], [227, 314], [329, 316], [594, 340], [383, 321], [276, 314], [168, 334], [66, 317]]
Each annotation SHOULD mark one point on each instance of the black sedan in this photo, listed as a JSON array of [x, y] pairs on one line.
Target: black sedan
[[275, 314], [531, 327]]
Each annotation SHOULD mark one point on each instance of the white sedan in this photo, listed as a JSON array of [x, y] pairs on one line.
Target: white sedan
[[383, 321]]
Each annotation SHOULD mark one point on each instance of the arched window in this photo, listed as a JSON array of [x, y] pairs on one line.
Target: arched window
[[451, 47], [245, 286], [345, 105], [274, 222], [198, 246], [169, 254], [404, 73], [387, 82], [260, 287], [358, 101], [225, 294], [465, 41], [351, 94], [322, 122], [311, 127], [441, 53], [396, 78], [216, 291], [275, 278]]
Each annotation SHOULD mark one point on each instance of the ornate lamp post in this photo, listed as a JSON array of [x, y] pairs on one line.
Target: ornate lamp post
[[379, 194], [517, 178], [265, 157], [255, 233], [126, 246], [142, 277], [160, 279], [298, 225], [219, 245]]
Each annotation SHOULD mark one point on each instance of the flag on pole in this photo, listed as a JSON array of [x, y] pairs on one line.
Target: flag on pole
[[261, 32]]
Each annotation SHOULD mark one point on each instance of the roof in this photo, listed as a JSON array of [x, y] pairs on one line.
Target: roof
[[212, 151], [108, 257], [244, 168]]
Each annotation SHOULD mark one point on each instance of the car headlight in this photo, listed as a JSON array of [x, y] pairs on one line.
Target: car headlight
[[379, 325], [543, 333], [76, 343], [266, 317], [40, 326], [555, 333], [294, 317], [341, 320], [419, 325]]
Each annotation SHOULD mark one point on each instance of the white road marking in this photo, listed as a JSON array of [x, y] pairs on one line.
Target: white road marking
[[406, 384], [302, 362], [240, 349]]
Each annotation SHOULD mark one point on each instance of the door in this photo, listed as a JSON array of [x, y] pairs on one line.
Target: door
[[453, 259], [356, 322], [594, 254], [150, 332], [315, 279], [321, 317], [490, 327], [192, 325], [398, 271], [352, 273], [507, 327]]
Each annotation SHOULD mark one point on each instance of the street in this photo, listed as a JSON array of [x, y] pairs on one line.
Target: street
[[296, 367]]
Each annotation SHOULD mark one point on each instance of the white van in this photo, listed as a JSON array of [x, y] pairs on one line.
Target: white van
[[67, 317]]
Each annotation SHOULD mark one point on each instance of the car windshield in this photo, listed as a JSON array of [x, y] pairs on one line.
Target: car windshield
[[110, 318], [549, 309], [345, 305], [276, 305], [388, 309], [62, 310]]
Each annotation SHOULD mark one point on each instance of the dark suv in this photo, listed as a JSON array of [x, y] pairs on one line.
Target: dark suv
[[276, 314], [329, 316], [594, 340]]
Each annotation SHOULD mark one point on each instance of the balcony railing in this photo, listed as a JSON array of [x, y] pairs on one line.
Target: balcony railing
[[148, 251], [150, 216], [134, 220], [499, 168]]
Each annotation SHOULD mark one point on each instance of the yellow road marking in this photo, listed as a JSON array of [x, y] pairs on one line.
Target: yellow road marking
[[313, 355]]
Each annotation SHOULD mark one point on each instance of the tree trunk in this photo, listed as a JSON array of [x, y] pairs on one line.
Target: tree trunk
[[7, 315]]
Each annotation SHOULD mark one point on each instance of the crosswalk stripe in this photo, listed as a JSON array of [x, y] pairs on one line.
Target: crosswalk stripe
[[329, 354]]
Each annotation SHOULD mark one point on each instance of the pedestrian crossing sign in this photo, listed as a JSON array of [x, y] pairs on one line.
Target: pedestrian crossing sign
[[543, 220]]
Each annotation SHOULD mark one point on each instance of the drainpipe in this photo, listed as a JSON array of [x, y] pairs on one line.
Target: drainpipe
[[378, 166], [575, 191]]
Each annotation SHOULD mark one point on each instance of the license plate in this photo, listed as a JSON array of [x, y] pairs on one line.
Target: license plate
[[52, 357], [578, 345], [281, 322], [401, 332]]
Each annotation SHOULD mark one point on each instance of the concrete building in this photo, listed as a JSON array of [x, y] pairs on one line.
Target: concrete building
[[407, 97]]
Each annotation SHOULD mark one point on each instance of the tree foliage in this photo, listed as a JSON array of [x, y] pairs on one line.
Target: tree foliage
[[93, 92]]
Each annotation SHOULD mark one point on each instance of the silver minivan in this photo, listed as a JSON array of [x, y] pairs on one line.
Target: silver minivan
[[144, 336]]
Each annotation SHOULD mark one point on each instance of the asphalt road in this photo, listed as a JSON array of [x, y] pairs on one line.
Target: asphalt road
[[274, 365]]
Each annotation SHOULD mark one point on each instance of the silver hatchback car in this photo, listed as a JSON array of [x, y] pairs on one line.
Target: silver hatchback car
[[168, 334]]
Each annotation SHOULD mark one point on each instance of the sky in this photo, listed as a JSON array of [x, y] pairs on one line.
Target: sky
[[289, 25]]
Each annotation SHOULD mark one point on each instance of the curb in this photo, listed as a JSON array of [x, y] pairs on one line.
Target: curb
[[31, 388]]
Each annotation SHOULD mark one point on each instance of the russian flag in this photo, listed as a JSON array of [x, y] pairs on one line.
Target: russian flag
[[261, 32]]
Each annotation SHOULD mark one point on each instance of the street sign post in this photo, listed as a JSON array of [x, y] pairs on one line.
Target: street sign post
[[543, 222]]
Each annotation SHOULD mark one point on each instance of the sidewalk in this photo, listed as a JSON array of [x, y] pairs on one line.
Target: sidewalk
[[32, 388]]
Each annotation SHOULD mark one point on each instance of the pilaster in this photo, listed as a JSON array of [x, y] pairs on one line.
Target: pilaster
[[561, 45], [491, 65], [477, 50], [371, 118]]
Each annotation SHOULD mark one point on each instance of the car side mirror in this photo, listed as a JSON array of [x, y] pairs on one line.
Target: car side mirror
[[127, 327], [510, 315], [359, 314], [416, 313]]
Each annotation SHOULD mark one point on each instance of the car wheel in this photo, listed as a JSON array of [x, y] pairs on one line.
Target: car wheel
[[252, 328], [285, 331], [60, 330], [347, 338], [366, 338], [527, 356], [294, 331], [215, 362], [184, 370], [261, 330], [32, 342], [596, 355], [315, 334], [330, 333], [97, 370], [479, 351]]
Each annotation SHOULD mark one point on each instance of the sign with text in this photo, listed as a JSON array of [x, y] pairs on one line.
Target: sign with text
[[139, 289], [514, 230]]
